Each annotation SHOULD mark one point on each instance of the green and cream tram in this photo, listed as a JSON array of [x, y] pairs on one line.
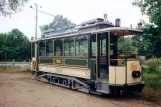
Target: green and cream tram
[[85, 58]]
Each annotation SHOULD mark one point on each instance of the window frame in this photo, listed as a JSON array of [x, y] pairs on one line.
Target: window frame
[[69, 52], [62, 39], [62, 46], [87, 54]]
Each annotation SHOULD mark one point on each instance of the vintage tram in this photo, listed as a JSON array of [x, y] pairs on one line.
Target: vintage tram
[[85, 58]]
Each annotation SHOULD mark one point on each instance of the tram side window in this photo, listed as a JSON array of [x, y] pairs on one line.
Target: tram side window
[[81, 46], [102, 45], [93, 40], [49, 48], [42, 49], [69, 49], [93, 48], [58, 48]]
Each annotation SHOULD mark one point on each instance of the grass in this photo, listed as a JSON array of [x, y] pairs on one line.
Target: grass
[[152, 90], [14, 62], [11, 69], [152, 80]]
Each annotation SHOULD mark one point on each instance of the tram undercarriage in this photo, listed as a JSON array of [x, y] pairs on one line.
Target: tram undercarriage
[[86, 86]]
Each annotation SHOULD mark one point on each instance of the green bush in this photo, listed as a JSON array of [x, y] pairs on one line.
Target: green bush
[[3, 67], [154, 84], [153, 65], [152, 80]]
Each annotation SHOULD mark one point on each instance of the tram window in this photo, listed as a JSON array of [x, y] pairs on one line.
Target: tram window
[[111, 49], [49, 48], [42, 48], [69, 49], [93, 48], [102, 45], [58, 48], [103, 49], [93, 40], [81, 46]]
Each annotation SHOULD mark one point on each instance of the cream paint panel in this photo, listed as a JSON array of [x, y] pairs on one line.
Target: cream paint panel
[[112, 74], [31, 66], [66, 71], [120, 75], [33, 58], [130, 79]]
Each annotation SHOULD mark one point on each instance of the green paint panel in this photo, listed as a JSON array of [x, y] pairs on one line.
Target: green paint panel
[[46, 60], [93, 69], [81, 62]]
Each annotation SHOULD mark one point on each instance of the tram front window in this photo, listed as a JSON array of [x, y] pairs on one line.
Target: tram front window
[[127, 47]]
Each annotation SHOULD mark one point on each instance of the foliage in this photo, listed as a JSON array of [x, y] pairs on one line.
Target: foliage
[[151, 79], [153, 65], [152, 74], [150, 42], [7, 7], [151, 8], [150, 45], [14, 45], [58, 22]]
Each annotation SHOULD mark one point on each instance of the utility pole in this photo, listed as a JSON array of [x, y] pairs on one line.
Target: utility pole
[[36, 45], [36, 31]]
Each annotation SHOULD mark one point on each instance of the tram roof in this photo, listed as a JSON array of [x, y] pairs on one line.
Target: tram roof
[[120, 31], [117, 29]]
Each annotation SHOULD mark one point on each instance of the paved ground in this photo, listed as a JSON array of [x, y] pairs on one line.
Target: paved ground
[[22, 90]]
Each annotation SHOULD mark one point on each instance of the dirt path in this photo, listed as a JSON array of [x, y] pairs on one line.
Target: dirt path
[[22, 90]]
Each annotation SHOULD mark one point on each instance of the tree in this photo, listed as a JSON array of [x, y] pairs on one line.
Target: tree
[[7, 7], [152, 8], [14, 46], [150, 44], [58, 22]]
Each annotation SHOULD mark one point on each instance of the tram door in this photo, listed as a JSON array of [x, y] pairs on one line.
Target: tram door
[[99, 57]]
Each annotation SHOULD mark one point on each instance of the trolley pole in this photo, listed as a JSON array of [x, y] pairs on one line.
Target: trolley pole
[[36, 30]]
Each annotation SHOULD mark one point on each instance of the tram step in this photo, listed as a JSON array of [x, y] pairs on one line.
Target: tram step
[[102, 87]]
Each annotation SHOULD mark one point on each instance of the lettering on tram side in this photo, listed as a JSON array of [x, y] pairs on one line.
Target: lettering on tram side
[[58, 61], [133, 67]]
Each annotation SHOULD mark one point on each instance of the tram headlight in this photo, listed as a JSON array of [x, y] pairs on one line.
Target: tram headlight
[[136, 74]]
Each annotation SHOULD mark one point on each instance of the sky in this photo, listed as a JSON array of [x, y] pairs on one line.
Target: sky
[[75, 10]]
